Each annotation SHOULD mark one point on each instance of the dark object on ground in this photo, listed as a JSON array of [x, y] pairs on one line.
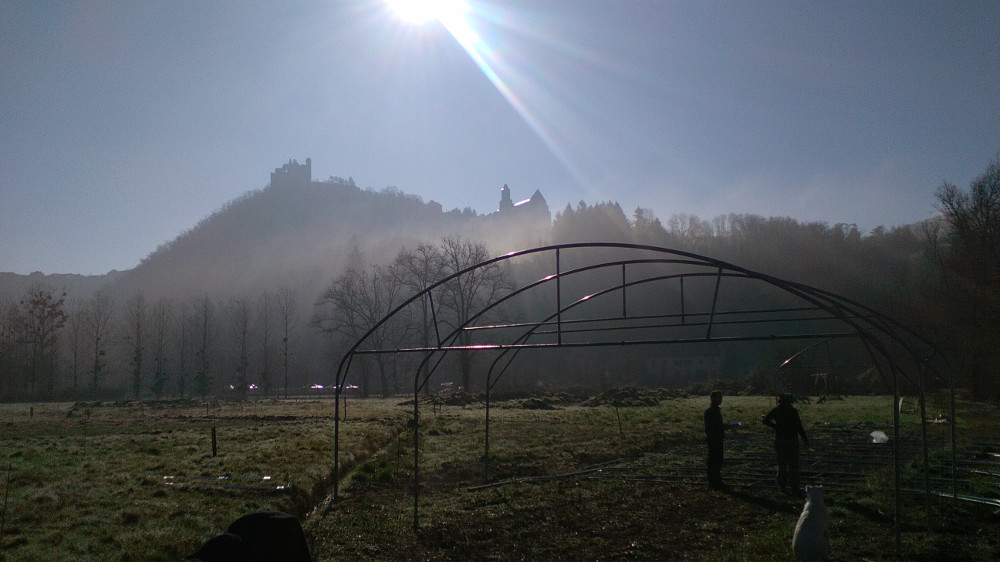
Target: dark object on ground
[[226, 546], [258, 537]]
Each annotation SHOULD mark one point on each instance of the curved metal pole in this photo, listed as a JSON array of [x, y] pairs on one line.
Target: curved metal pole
[[795, 356], [558, 298], [954, 459], [683, 317], [923, 437], [417, 385], [345, 364], [872, 315], [897, 526], [821, 301], [416, 452], [490, 383], [896, 453], [692, 259], [867, 326], [624, 293], [832, 308], [336, 447], [715, 302], [897, 463], [486, 453]]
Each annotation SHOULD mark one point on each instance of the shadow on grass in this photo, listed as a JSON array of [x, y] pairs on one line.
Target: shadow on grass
[[780, 505], [793, 506], [868, 513]]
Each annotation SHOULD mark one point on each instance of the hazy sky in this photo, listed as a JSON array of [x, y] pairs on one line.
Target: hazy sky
[[125, 123]]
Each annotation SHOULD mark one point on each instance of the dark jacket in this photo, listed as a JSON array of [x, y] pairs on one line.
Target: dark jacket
[[786, 422], [714, 426]]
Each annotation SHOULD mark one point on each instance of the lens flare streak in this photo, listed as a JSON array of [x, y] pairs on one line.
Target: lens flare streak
[[459, 24]]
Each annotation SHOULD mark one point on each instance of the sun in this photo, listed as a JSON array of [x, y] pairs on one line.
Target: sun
[[419, 12]]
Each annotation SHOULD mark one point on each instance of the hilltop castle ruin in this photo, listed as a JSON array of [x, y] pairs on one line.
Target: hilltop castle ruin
[[292, 174], [534, 206]]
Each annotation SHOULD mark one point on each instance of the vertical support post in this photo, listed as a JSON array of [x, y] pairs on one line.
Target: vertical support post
[[683, 316], [434, 318], [486, 455], [416, 453], [897, 464], [336, 441], [715, 300], [923, 436], [954, 459], [624, 299], [558, 300], [6, 492], [214, 450]]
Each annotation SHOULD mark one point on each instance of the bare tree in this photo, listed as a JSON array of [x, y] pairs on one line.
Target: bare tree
[[339, 310], [970, 270], [204, 338], [136, 320], [287, 306], [99, 314], [265, 321], [353, 304], [76, 323], [41, 317], [468, 294], [161, 320], [418, 270], [8, 346], [186, 322], [688, 230], [239, 333], [974, 220]]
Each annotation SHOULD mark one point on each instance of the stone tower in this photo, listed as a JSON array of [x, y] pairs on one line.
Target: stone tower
[[292, 174]]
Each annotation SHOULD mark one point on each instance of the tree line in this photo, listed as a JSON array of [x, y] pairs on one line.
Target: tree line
[[940, 277], [359, 298], [52, 347]]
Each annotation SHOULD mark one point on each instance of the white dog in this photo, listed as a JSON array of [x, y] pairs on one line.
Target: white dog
[[811, 540]]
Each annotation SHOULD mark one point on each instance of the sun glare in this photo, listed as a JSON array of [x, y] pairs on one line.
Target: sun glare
[[419, 12], [470, 23]]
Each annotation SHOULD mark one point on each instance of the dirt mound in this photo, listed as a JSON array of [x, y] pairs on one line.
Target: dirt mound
[[630, 397]]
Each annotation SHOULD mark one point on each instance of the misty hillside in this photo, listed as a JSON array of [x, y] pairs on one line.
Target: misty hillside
[[211, 286], [299, 236], [295, 236]]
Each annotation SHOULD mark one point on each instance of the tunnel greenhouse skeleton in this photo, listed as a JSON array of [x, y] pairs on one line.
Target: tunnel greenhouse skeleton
[[611, 272]]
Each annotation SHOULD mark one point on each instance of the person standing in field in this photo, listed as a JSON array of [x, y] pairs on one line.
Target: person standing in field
[[787, 425], [714, 435]]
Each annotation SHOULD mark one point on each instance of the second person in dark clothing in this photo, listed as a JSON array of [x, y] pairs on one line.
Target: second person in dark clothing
[[787, 425], [714, 436]]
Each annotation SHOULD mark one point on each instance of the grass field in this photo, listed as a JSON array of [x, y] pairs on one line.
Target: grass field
[[568, 480]]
